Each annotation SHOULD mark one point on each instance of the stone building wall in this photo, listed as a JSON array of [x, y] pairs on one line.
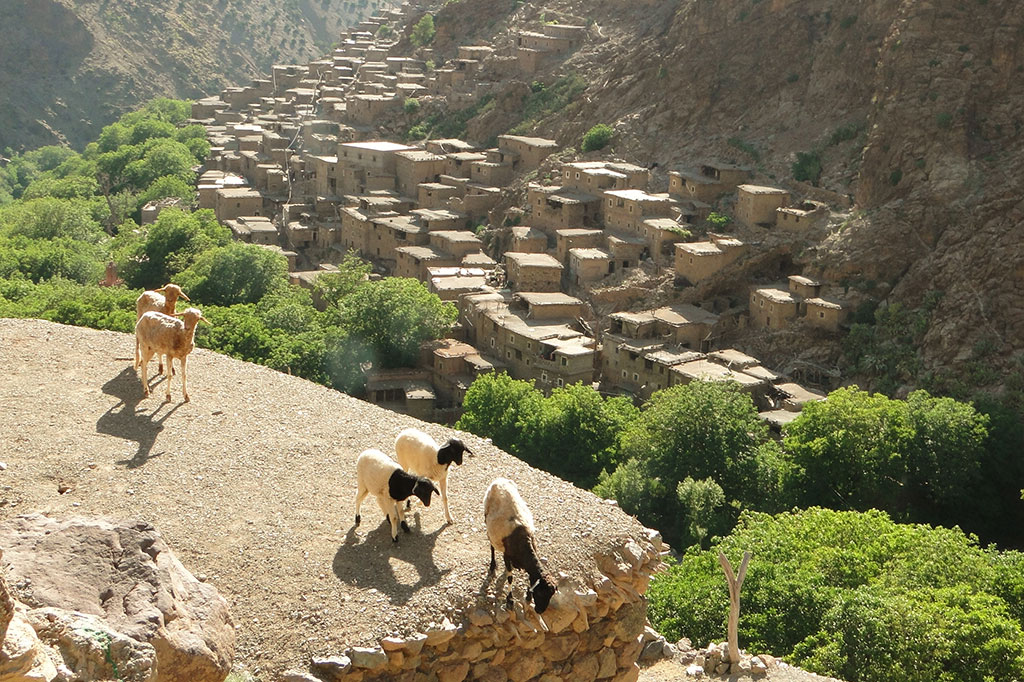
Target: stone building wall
[[593, 632]]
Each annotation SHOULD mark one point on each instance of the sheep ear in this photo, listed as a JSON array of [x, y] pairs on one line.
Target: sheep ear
[[203, 319], [181, 314], [160, 290], [182, 294]]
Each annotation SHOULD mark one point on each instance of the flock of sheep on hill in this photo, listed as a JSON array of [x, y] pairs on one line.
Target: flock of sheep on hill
[[421, 468]]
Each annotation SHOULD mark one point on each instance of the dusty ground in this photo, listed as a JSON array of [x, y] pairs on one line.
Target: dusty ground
[[252, 484], [675, 671]]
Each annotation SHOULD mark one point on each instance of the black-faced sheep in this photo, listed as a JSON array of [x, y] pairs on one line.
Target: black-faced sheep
[[380, 475], [162, 300], [159, 334], [420, 454], [510, 529]]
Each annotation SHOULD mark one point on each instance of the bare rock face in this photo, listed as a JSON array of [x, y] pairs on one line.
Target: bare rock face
[[23, 657], [126, 575]]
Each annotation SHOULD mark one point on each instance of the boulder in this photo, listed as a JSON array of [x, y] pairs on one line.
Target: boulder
[[125, 574], [23, 657]]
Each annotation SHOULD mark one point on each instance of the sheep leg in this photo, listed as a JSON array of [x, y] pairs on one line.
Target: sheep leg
[[401, 517], [138, 354], [494, 564], [184, 375], [444, 497], [360, 496], [168, 398], [508, 568], [390, 510], [144, 362]]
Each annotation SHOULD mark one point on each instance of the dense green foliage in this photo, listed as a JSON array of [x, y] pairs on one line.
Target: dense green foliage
[[597, 137], [545, 100], [571, 433], [64, 216], [858, 596], [423, 32]]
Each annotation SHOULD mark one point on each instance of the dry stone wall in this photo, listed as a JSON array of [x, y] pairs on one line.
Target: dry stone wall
[[592, 631]]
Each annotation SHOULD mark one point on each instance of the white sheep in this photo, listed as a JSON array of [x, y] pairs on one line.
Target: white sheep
[[510, 529], [420, 454], [156, 300], [380, 475], [160, 334]]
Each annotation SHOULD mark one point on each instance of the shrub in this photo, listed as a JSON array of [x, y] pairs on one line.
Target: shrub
[[597, 137], [411, 106], [423, 33], [807, 167]]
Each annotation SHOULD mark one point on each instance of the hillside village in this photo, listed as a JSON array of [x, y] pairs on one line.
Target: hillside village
[[297, 164]]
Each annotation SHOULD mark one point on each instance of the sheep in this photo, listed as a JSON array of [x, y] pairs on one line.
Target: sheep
[[379, 474], [418, 453], [157, 333], [510, 529], [156, 300]]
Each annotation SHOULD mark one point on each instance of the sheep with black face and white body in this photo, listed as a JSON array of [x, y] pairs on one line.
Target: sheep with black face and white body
[[420, 454], [380, 475], [510, 529], [162, 300], [159, 334]]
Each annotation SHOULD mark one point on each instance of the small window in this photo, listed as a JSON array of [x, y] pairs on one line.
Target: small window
[[565, 362], [508, 355], [492, 342], [544, 375], [560, 382], [821, 314], [624, 374], [636, 377]]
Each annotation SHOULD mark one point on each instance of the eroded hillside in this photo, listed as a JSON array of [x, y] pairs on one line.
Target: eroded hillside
[[908, 109], [70, 67]]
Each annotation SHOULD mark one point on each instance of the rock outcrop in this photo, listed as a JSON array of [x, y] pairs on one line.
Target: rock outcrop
[[107, 594]]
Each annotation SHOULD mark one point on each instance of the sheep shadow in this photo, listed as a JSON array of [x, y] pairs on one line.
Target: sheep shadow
[[124, 420], [370, 563]]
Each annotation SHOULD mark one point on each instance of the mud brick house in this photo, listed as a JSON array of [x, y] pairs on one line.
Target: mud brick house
[[532, 272], [803, 216], [235, 202], [696, 261], [772, 307], [528, 240], [576, 238], [758, 205], [707, 182], [626, 209], [554, 208]]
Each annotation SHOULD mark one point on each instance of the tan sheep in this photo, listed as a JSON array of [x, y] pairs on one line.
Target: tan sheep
[[162, 300], [160, 334]]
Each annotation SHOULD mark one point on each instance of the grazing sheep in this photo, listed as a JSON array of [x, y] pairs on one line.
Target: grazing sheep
[[156, 300], [510, 529], [379, 474], [159, 334], [418, 453]]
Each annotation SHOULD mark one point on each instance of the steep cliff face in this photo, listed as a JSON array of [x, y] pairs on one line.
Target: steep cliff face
[[68, 67]]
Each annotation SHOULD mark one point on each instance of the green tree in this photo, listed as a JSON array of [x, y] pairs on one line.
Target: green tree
[[233, 274], [919, 459], [574, 433], [497, 406], [423, 32], [597, 137], [169, 246], [855, 595], [393, 316], [700, 501]]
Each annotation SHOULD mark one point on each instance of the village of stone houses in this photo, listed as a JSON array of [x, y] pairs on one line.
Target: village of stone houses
[[297, 164]]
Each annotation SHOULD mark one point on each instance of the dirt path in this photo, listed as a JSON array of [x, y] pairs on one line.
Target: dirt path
[[252, 485]]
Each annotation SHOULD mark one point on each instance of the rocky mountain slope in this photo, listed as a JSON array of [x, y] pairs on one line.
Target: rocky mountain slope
[[68, 67], [910, 107]]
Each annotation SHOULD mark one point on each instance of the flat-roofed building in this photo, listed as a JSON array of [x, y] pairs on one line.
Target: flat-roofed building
[[576, 238], [696, 261], [758, 205], [232, 203], [415, 261], [528, 240], [772, 307], [532, 272], [587, 266], [627, 209]]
